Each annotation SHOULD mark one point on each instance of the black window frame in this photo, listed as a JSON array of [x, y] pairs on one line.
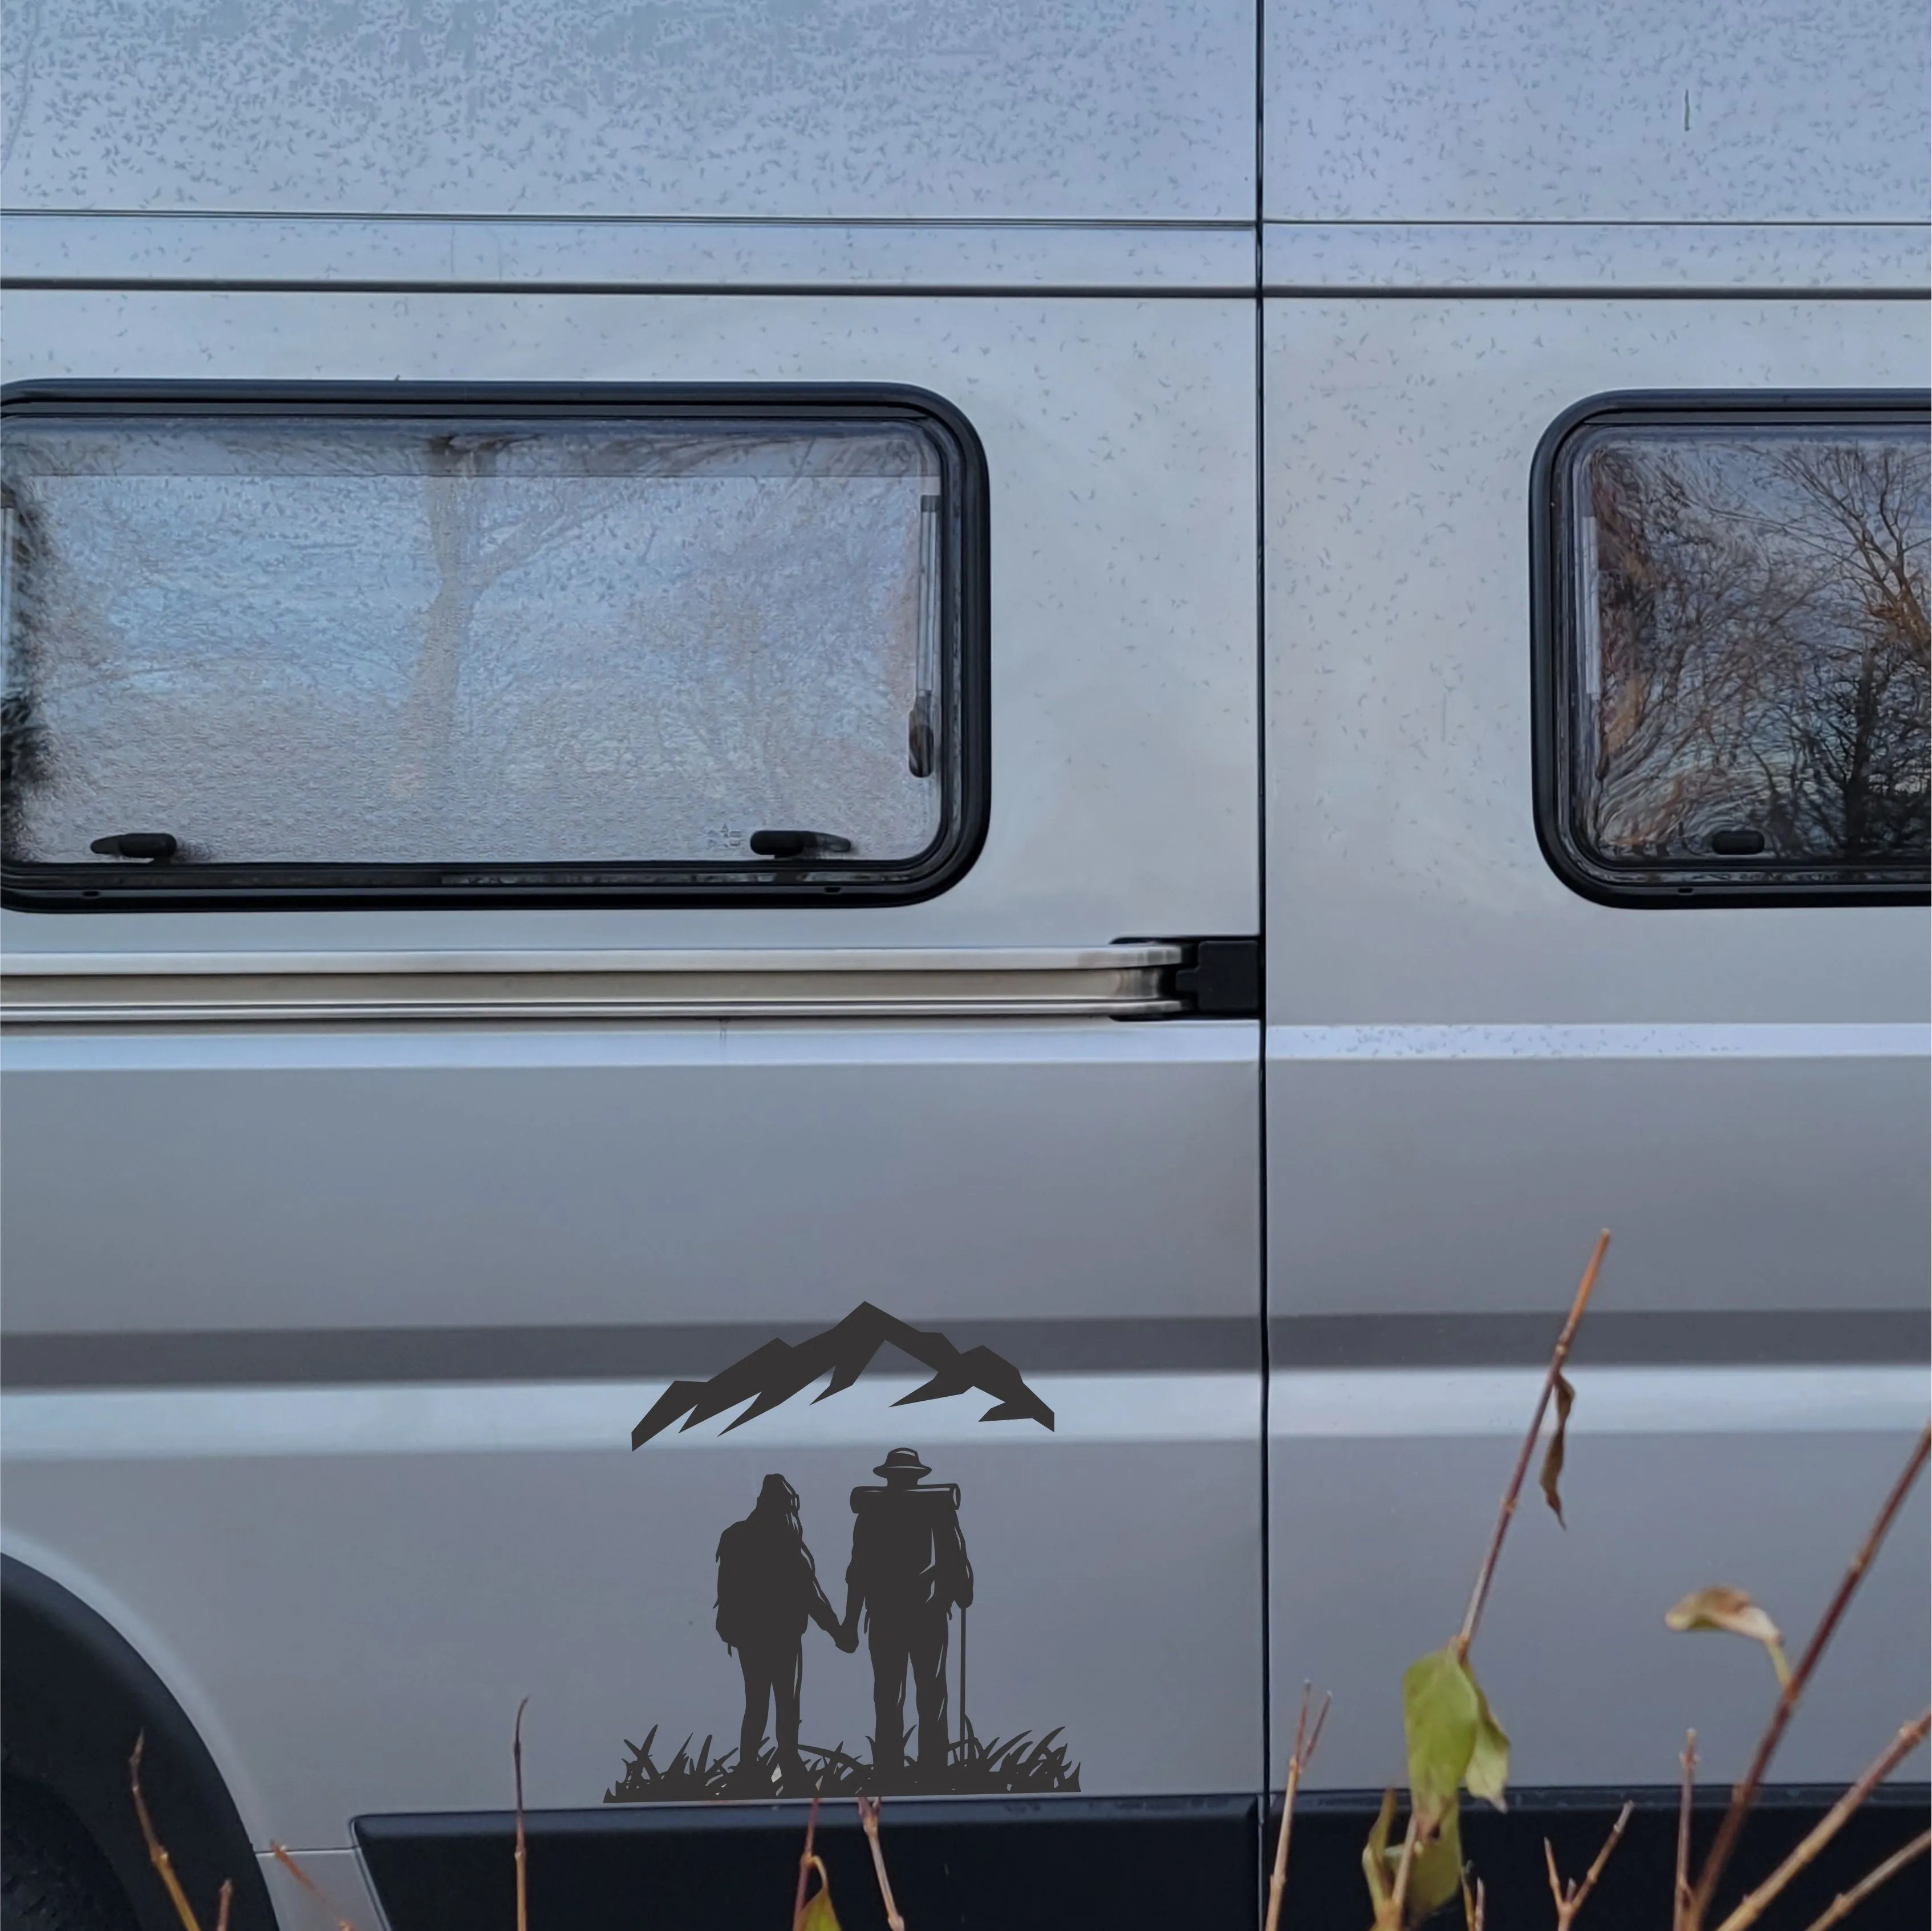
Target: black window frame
[[1553, 660], [819, 880]]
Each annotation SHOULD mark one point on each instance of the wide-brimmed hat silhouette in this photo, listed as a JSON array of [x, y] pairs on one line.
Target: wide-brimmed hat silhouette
[[903, 1461]]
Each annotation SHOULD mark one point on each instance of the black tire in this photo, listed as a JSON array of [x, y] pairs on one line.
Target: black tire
[[52, 1878]]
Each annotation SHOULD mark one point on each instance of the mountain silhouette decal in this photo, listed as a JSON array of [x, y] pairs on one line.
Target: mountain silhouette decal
[[771, 1374]]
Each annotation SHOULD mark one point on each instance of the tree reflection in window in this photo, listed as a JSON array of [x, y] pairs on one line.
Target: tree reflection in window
[[1751, 626]]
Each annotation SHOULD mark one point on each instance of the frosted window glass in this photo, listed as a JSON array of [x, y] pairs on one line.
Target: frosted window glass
[[314, 640]]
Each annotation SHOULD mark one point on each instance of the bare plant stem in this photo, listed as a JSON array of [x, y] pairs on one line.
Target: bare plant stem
[[1847, 1902], [1480, 1595], [224, 1904], [158, 1854], [1474, 1908], [1411, 1842], [1571, 1899], [523, 1853], [283, 1857], [869, 1817], [1305, 1741], [806, 1862], [1680, 1894], [1745, 1792], [1909, 1737]]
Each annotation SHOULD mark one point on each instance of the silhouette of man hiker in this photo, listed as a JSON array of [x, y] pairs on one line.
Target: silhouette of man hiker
[[768, 1589], [908, 1569]]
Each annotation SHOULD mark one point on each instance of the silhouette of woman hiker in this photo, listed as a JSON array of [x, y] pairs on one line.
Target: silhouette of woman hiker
[[768, 1589], [908, 1569]]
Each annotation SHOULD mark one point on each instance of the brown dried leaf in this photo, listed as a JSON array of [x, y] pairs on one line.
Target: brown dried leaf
[[1552, 1456], [1722, 1607]]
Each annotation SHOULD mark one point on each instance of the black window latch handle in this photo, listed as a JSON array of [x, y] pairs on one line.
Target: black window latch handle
[[159, 847], [797, 844]]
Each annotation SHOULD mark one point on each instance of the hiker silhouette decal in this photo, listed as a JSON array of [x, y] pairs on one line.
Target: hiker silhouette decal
[[909, 1570], [908, 1586], [768, 1589]]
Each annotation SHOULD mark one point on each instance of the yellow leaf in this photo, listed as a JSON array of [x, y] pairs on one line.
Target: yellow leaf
[[1435, 1874], [1552, 1456], [818, 1915], [1488, 1773], [1376, 1856], [1439, 1703]]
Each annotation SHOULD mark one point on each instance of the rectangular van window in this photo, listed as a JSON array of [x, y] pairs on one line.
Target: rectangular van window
[[437, 645], [1734, 650]]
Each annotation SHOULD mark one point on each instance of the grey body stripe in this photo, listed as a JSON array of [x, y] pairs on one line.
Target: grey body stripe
[[352, 1356], [338, 1357], [1797, 1338]]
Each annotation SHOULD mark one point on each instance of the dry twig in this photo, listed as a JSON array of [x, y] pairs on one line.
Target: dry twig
[[1411, 1842], [1842, 1906], [1305, 1740], [868, 1816], [523, 1869], [158, 1854], [1480, 1595], [1909, 1737], [1680, 1894], [1473, 1907], [1745, 1792], [1571, 1899], [1394, 1907], [287, 1862], [806, 1862]]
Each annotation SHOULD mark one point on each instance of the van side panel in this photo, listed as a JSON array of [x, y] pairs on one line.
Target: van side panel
[[732, 109], [1471, 1069], [372, 1308], [1542, 111]]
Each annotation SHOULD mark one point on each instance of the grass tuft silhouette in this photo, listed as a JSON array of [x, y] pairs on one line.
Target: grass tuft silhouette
[[1012, 1766]]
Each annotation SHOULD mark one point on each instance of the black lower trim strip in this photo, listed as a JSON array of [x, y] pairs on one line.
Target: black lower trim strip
[[984, 1864], [1007, 1864], [1325, 1886]]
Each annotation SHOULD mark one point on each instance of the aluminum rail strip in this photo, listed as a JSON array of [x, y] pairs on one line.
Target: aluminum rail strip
[[284, 988]]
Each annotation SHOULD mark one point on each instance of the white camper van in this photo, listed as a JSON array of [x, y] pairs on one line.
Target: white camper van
[[847, 846]]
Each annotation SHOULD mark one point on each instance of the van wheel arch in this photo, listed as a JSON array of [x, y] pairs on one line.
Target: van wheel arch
[[74, 1695]]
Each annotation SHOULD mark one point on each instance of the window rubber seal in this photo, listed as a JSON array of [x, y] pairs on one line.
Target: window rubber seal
[[1661, 889], [824, 881]]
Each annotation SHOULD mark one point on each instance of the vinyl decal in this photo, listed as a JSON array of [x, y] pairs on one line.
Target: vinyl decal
[[778, 1370], [908, 1573]]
